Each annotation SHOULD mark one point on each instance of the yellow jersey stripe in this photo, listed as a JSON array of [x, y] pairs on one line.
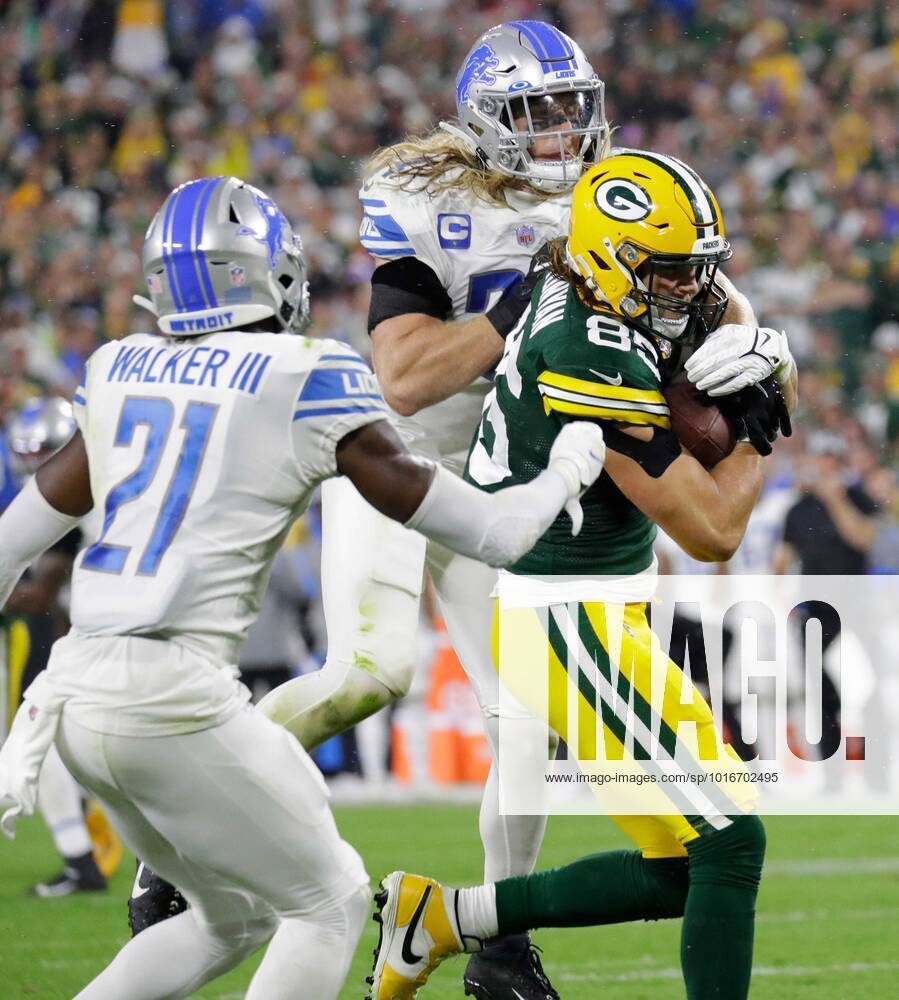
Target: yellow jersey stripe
[[600, 389], [661, 409], [598, 411]]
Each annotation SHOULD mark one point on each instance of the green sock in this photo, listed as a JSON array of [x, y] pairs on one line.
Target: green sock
[[715, 892], [607, 888], [719, 919]]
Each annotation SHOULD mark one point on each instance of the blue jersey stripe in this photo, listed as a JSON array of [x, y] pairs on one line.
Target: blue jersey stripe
[[374, 202], [78, 398], [387, 229], [337, 383], [200, 258], [379, 251], [338, 411], [183, 258], [378, 238]]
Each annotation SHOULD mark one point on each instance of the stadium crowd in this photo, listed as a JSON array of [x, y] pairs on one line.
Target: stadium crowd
[[789, 109]]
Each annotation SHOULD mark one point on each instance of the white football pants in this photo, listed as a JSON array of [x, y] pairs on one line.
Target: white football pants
[[59, 800], [372, 580], [237, 817]]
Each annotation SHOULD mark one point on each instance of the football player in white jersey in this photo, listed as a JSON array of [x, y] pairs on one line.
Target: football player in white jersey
[[202, 444], [453, 221]]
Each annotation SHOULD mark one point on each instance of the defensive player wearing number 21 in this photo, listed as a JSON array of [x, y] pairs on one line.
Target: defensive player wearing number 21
[[202, 447]]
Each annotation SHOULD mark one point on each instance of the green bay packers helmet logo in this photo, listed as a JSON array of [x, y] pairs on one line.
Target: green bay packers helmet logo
[[622, 200]]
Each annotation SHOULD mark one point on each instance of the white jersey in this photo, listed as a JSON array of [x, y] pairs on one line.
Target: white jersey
[[478, 250], [202, 452]]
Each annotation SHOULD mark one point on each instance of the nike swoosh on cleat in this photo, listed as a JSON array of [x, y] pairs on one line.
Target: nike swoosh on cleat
[[139, 888], [606, 378], [409, 956]]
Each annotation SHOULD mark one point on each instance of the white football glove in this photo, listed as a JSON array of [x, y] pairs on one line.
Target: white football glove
[[578, 454], [735, 356]]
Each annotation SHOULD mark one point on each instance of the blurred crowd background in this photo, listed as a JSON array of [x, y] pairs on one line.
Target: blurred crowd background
[[788, 109]]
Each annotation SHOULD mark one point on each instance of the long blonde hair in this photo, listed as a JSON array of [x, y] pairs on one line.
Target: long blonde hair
[[439, 161], [559, 266], [442, 160]]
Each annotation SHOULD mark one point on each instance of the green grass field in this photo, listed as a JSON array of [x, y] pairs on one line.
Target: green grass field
[[828, 923]]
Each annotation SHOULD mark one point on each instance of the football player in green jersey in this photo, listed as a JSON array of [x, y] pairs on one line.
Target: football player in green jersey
[[631, 293]]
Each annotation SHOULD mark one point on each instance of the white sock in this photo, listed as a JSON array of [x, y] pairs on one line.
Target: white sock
[[476, 908], [59, 800], [512, 843]]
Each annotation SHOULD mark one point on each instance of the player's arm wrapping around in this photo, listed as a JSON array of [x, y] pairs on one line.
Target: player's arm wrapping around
[[611, 375], [704, 512], [739, 310], [421, 356], [496, 528], [421, 360]]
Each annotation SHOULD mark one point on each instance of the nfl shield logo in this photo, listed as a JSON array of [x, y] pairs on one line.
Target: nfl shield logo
[[237, 275], [664, 347], [154, 283], [525, 235], [32, 712]]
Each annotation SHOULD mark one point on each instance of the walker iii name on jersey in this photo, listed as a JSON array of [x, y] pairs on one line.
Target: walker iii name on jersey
[[223, 439], [200, 365], [569, 362], [477, 249]]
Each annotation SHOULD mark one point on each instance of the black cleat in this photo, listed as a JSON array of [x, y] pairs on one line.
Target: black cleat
[[152, 900], [79, 875], [508, 969]]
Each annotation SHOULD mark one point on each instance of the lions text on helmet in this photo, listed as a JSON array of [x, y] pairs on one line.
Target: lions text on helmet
[[220, 255]]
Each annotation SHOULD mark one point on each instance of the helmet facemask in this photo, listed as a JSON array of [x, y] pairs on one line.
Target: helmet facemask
[[549, 137], [687, 321]]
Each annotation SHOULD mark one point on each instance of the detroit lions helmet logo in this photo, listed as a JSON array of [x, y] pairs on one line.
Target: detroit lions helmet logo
[[476, 70], [275, 223]]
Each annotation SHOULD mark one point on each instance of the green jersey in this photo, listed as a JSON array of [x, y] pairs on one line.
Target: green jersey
[[569, 362]]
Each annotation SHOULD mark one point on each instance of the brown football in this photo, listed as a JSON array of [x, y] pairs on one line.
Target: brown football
[[700, 427]]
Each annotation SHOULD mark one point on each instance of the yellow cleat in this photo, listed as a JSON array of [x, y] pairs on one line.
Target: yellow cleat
[[418, 931], [108, 850]]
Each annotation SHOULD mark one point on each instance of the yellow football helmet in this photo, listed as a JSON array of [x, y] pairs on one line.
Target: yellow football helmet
[[637, 215]]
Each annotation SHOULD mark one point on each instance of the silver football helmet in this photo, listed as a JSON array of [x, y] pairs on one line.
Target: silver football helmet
[[531, 104], [39, 429], [220, 254]]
